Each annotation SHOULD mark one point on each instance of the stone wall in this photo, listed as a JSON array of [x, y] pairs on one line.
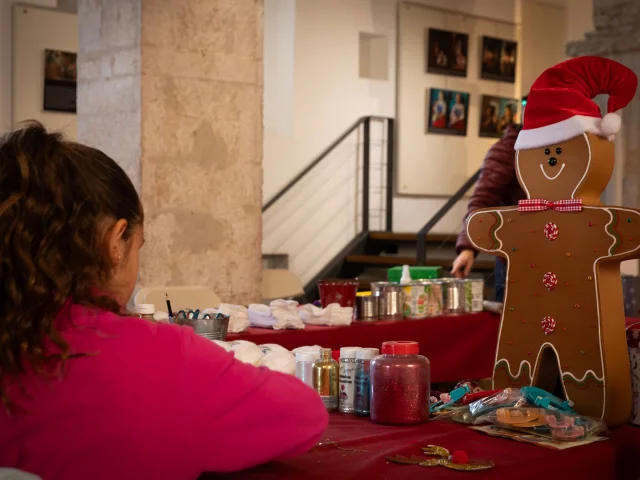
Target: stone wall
[[172, 90]]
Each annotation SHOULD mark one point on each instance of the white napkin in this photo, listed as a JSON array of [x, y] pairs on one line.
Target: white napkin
[[332, 315], [260, 316], [280, 361], [238, 317], [279, 315], [246, 352], [308, 349], [286, 314]]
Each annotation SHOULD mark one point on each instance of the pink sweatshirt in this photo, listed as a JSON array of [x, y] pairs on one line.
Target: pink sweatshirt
[[153, 401]]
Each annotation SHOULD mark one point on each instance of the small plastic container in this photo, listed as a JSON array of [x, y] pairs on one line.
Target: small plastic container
[[304, 366], [400, 385], [363, 385], [147, 311]]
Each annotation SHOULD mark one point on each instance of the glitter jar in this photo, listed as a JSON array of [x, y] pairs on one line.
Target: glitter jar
[[400, 383], [363, 385], [347, 377]]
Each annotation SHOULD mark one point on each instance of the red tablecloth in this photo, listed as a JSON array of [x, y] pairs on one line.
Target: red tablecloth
[[458, 346], [611, 459]]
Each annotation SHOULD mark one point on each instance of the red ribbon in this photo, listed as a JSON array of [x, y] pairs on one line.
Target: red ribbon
[[540, 205]]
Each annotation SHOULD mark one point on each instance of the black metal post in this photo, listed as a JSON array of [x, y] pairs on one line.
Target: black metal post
[[366, 160], [390, 169], [422, 234]]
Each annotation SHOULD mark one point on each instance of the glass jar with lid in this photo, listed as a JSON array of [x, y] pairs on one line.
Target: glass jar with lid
[[400, 385]]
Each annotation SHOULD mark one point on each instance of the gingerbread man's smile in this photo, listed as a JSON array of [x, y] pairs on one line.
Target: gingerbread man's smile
[[552, 161], [549, 177]]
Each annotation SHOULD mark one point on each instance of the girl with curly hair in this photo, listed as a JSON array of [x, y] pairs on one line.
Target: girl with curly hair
[[89, 392]]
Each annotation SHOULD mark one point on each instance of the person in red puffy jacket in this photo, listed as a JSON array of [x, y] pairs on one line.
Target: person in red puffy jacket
[[497, 185]]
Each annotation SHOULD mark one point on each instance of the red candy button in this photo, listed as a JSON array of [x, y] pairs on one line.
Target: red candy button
[[551, 231], [549, 280]]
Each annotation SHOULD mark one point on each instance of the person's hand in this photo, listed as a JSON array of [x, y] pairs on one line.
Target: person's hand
[[463, 263]]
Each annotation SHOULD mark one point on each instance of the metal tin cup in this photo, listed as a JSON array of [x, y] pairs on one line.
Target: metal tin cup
[[391, 300], [376, 287], [367, 308], [416, 299], [473, 295], [435, 303], [212, 328], [454, 295]]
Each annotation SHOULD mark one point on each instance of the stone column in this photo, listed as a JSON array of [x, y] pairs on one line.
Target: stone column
[[172, 90], [617, 36]]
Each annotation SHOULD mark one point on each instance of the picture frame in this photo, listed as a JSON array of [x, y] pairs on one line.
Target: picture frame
[[60, 81], [496, 114], [446, 52], [498, 59], [447, 111]]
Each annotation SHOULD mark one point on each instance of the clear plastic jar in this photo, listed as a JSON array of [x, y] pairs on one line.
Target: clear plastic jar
[[363, 385], [400, 385]]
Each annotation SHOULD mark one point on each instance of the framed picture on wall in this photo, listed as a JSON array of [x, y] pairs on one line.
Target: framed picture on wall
[[499, 59], [446, 111], [446, 52], [60, 81], [496, 114]]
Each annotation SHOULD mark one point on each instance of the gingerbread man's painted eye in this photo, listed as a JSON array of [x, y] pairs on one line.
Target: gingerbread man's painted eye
[[547, 151], [558, 151]]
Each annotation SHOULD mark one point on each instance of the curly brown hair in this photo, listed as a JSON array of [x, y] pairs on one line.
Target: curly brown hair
[[54, 195]]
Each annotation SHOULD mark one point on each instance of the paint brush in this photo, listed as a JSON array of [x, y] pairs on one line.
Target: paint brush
[[170, 312]]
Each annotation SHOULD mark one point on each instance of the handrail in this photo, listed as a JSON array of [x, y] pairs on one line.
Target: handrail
[[330, 148], [421, 255]]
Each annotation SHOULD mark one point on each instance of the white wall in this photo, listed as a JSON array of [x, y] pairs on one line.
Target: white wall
[[6, 55], [313, 93], [34, 30]]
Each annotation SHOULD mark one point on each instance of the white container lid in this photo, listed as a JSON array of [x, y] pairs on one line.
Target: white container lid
[[307, 356], [367, 353], [348, 352], [146, 309]]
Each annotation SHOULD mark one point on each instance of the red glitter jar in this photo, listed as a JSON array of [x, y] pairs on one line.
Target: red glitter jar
[[400, 385]]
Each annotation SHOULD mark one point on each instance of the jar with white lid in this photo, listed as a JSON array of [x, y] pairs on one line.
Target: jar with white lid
[[347, 376], [147, 311], [304, 366]]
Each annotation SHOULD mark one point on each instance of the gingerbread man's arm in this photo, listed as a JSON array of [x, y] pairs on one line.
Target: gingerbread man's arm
[[624, 230], [482, 229]]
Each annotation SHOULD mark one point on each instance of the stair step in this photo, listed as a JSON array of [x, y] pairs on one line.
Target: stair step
[[412, 237], [392, 261]]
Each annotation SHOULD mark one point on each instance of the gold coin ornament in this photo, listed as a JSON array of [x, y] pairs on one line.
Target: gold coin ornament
[[458, 460]]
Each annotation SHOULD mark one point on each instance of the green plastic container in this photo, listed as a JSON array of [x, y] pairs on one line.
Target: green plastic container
[[417, 273]]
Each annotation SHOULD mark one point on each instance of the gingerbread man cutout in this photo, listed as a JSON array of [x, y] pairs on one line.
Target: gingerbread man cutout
[[563, 315]]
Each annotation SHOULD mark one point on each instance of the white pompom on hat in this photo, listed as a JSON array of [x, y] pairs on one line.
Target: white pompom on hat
[[560, 104]]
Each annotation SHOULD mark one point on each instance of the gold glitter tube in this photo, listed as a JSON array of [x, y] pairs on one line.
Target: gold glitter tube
[[325, 379]]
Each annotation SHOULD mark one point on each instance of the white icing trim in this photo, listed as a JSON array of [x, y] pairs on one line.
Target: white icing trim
[[556, 175], [586, 139], [522, 364], [585, 376], [558, 132]]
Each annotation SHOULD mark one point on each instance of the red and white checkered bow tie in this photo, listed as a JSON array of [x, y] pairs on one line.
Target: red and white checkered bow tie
[[540, 205]]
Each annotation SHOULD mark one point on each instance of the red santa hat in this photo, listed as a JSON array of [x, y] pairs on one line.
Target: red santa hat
[[560, 106]]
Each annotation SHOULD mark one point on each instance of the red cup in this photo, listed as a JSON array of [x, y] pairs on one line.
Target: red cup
[[342, 292]]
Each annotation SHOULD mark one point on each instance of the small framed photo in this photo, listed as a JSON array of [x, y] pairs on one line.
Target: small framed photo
[[447, 112], [60, 81], [496, 114], [499, 59], [446, 52]]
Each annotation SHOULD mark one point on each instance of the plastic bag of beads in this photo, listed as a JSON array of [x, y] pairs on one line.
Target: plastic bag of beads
[[509, 397], [556, 425]]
